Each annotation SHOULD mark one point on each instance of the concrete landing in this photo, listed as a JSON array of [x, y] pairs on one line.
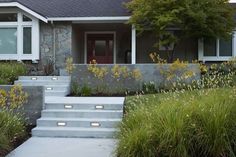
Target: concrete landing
[[65, 147]]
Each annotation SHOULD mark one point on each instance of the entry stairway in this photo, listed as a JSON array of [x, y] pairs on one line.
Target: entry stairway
[[80, 117]]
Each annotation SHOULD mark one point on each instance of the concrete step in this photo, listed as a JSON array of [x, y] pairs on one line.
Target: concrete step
[[82, 106], [56, 93], [86, 100], [82, 114], [78, 122], [76, 132], [41, 83], [48, 78], [57, 88]]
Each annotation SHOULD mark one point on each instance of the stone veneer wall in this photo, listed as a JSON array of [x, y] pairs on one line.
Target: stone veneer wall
[[110, 85], [55, 38]]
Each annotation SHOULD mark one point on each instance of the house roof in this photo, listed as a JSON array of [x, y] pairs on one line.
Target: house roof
[[75, 8], [47, 10]]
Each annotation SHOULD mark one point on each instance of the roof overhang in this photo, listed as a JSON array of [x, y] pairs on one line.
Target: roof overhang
[[18, 5], [91, 19]]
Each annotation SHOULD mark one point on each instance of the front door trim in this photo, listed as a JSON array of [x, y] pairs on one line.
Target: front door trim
[[99, 32]]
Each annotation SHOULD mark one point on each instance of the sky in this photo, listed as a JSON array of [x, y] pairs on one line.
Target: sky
[[234, 1]]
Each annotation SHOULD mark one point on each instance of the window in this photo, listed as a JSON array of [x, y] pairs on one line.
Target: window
[[216, 49], [17, 31], [27, 40], [100, 47], [8, 41], [226, 48], [8, 17], [26, 18], [210, 47]]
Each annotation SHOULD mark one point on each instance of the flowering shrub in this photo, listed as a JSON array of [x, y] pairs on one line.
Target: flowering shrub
[[12, 125], [69, 65], [12, 129], [14, 99], [124, 72], [99, 72]]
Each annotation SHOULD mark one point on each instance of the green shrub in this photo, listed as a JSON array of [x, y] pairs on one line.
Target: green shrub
[[10, 71], [181, 124], [86, 91], [12, 129], [75, 89], [149, 88]]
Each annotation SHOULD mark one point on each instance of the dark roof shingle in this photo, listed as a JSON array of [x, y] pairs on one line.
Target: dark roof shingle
[[76, 8]]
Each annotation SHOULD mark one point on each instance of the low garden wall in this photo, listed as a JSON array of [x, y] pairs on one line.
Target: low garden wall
[[119, 78], [32, 109]]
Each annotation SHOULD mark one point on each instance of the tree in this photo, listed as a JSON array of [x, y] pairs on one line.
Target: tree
[[195, 18]]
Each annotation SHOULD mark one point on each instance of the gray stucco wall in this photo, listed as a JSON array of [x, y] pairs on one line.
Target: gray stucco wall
[[32, 109], [186, 49], [55, 43], [150, 72]]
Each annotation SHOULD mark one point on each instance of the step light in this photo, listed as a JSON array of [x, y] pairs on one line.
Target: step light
[[54, 78], [61, 123], [49, 88], [99, 107], [68, 106], [33, 78], [95, 124]]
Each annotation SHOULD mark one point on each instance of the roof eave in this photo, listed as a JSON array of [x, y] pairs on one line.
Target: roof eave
[[18, 5]]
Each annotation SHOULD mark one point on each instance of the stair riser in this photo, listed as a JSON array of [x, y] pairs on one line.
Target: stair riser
[[42, 83], [48, 78], [74, 134], [81, 115], [51, 93], [84, 106], [84, 124], [57, 88]]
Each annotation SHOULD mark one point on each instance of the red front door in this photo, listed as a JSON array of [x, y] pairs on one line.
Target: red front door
[[100, 47]]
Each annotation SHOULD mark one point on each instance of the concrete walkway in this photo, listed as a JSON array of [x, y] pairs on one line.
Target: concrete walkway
[[65, 147]]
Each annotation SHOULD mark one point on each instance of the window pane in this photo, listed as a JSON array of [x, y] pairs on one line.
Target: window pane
[[8, 41], [226, 47], [209, 47], [27, 38], [10, 17], [26, 18], [100, 48]]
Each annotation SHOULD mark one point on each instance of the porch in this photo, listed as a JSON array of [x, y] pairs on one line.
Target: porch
[[107, 43]]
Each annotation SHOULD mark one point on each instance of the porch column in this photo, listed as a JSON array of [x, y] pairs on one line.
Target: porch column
[[234, 44], [133, 45]]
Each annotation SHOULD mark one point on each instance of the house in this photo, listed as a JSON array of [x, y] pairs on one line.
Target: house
[[39, 30]]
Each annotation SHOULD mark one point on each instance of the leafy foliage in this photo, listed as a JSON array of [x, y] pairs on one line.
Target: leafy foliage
[[195, 18], [12, 128], [69, 65], [10, 71]]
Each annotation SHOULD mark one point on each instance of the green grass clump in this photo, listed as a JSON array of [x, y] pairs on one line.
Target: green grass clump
[[10, 71], [197, 123], [12, 128]]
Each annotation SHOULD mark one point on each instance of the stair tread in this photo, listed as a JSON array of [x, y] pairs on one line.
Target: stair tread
[[74, 129], [81, 119], [86, 100], [68, 111]]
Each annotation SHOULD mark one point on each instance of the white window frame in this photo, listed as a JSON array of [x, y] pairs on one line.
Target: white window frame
[[20, 24], [203, 58]]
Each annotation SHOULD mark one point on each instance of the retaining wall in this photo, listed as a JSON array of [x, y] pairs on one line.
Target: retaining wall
[[32, 109], [109, 84]]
